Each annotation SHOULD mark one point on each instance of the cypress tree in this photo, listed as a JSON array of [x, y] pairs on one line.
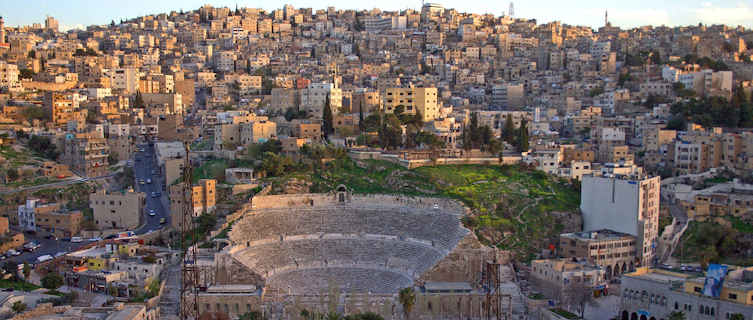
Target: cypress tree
[[327, 127], [508, 130], [360, 116], [523, 136]]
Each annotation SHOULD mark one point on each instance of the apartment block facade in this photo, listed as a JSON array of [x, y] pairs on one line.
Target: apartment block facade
[[624, 203]]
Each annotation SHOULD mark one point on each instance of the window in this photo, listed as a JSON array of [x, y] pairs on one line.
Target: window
[[733, 296]]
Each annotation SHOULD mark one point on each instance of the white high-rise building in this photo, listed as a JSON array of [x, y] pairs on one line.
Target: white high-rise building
[[628, 204]]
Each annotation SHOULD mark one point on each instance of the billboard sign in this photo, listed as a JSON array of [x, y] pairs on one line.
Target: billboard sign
[[715, 274]]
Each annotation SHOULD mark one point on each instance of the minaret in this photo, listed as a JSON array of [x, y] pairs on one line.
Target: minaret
[[606, 18], [511, 12], [2, 30]]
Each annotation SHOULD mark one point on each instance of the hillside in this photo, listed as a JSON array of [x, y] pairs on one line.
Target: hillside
[[513, 207]]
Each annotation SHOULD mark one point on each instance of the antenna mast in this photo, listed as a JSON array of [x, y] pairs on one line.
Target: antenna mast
[[189, 293]]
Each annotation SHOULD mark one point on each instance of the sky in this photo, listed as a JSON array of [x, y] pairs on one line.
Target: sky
[[81, 13]]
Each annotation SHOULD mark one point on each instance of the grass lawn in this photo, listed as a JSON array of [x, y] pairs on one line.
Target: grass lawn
[[17, 285], [211, 169], [716, 242]]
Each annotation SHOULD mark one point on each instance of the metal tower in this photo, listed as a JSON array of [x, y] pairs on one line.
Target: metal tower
[[189, 289]]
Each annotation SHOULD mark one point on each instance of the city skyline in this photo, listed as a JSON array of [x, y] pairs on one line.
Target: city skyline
[[81, 13]]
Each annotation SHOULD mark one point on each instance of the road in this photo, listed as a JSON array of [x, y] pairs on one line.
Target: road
[[48, 246], [144, 164]]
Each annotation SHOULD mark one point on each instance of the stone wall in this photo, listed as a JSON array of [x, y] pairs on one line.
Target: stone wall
[[376, 200], [230, 271], [465, 262]]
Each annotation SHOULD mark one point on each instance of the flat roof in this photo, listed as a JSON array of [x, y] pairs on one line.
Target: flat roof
[[658, 275], [447, 286], [127, 313], [604, 234], [91, 252], [231, 288]]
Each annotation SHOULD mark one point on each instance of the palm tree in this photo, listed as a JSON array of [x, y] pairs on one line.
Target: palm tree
[[407, 299]]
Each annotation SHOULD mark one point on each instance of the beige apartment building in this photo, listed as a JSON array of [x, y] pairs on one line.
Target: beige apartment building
[[311, 131], [242, 134], [611, 250], [64, 108], [62, 224], [553, 276], [117, 210], [203, 200], [654, 137], [423, 100], [86, 154], [624, 203]]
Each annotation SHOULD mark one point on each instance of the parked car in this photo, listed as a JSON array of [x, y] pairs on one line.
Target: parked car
[[148, 181], [77, 239], [162, 221], [95, 239], [13, 252], [31, 246], [152, 213], [51, 237], [44, 258]]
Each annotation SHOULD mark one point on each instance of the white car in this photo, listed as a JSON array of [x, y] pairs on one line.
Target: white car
[[95, 239], [77, 239], [13, 252], [152, 213]]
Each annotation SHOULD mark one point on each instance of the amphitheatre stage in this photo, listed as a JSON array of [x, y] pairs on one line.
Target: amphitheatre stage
[[343, 252]]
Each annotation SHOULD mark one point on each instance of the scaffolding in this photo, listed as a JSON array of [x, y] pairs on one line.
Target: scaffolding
[[493, 305], [189, 289]]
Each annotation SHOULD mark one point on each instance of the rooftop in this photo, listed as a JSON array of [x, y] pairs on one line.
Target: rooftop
[[657, 275], [447, 286], [598, 235]]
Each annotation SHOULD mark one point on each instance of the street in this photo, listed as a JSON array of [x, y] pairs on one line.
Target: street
[[143, 165], [47, 246]]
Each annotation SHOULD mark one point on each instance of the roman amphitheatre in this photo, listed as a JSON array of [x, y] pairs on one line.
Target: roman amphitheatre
[[343, 252]]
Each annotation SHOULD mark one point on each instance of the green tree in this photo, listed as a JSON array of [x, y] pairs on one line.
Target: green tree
[[360, 116], [27, 270], [364, 316], [25, 73], [407, 298], [18, 307], [523, 136], [736, 316], [327, 120], [474, 130], [138, 101], [676, 315], [508, 131], [485, 134], [52, 281], [390, 134], [251, 315], [44, 147], [12, 175]]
